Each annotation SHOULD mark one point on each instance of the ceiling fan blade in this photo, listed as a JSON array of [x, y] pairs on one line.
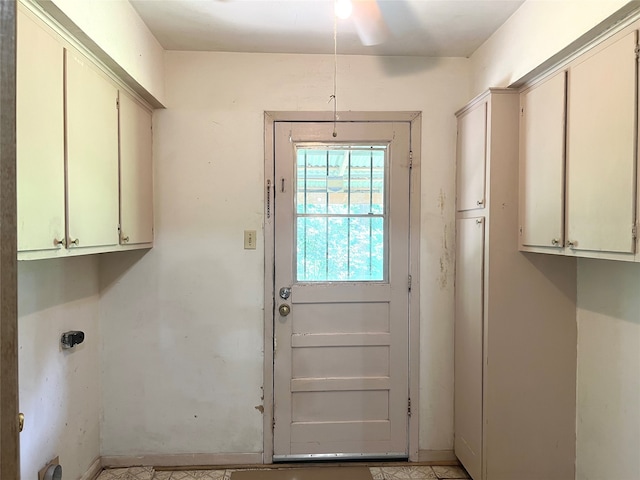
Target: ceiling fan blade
[[369, 22]]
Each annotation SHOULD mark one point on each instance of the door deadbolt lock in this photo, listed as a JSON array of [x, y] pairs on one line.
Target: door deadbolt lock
[[285, 292], [284, 309]]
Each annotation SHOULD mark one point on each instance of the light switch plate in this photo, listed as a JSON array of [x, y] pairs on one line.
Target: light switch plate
[[249, 239]]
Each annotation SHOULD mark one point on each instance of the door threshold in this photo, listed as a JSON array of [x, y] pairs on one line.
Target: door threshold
[[339, 456]]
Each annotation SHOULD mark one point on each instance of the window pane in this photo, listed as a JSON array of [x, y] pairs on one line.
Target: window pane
[[340, 214]]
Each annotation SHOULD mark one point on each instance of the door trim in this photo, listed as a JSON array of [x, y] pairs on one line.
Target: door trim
[[415, 121], [10, 464]]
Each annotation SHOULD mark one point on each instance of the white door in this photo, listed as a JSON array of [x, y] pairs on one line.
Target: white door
[[341, 288]]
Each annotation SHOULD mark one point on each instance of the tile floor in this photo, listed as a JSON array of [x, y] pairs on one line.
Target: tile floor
[[416, 472]]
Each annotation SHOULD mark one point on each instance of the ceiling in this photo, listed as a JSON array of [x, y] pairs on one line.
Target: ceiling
[[435, 28]]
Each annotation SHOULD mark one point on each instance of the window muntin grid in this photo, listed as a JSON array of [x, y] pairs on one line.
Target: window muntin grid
[[340, 213]]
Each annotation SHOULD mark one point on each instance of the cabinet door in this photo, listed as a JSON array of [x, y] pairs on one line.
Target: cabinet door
[[542, 134], [601, 149], [92, 155], [39, 138], [468, 340], [136, 175], [472, 147]]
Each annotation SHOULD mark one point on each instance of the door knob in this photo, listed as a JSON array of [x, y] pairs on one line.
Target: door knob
[[284, 309]]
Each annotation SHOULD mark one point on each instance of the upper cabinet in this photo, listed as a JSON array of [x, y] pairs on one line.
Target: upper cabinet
[[578, 155], [542, 124], [472, 151], [92, 156], [136, 173], [601, 158], [84, 166], [39, 138]]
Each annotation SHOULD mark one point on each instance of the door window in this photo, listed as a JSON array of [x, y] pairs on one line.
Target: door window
[[340, 213]]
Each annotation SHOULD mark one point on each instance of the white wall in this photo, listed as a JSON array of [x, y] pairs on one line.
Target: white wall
[[535, 32], [182, 327], [608, 390], [59, 389], [608, 370], [117, 29]]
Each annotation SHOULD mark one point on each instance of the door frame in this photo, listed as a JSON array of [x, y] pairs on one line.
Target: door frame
[[415, 121], [10, 464]]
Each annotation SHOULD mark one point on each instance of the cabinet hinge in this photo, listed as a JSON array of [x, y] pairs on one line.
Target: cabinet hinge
[[522, 111], [634, 232], [520, 230], [410, 280], [409, 407], [117, 103], [637, 50], [410, 159]]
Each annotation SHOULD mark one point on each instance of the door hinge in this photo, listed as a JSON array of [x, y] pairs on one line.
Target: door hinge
[[117, 103], [410, 159], [409, 407], [409, 282], [522, 111], [273, 423], [520, 230]]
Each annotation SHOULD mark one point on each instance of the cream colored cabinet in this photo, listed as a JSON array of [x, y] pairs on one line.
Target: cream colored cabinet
[[84, 171], [136, 173], [468, 335], [92, 155], [515, 328], [39, 138], [578, 155], [472, 129], [542, 166], [601, 148]]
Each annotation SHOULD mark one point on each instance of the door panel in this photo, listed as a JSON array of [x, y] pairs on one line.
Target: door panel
[[136, 172], [92, 155], [472, 148], [340, 355], [542, 164], [601, 149], [39, 138], [469, 343]]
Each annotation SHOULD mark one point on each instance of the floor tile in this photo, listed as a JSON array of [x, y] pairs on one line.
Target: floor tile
[[450, 472], [199, 475], [402, 473], [164, 475], [132, 473]]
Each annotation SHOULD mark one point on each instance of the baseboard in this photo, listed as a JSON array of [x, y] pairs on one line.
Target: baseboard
[[438, 457], [182, 460], [93, 471]]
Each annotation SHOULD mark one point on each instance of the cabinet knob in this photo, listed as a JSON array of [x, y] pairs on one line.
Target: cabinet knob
[[125, 239], [572, 244], [555, 242], [58, 243], [480, 203], [75, 242]]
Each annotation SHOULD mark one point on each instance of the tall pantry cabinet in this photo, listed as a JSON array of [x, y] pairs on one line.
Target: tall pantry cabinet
[[515, 315]]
